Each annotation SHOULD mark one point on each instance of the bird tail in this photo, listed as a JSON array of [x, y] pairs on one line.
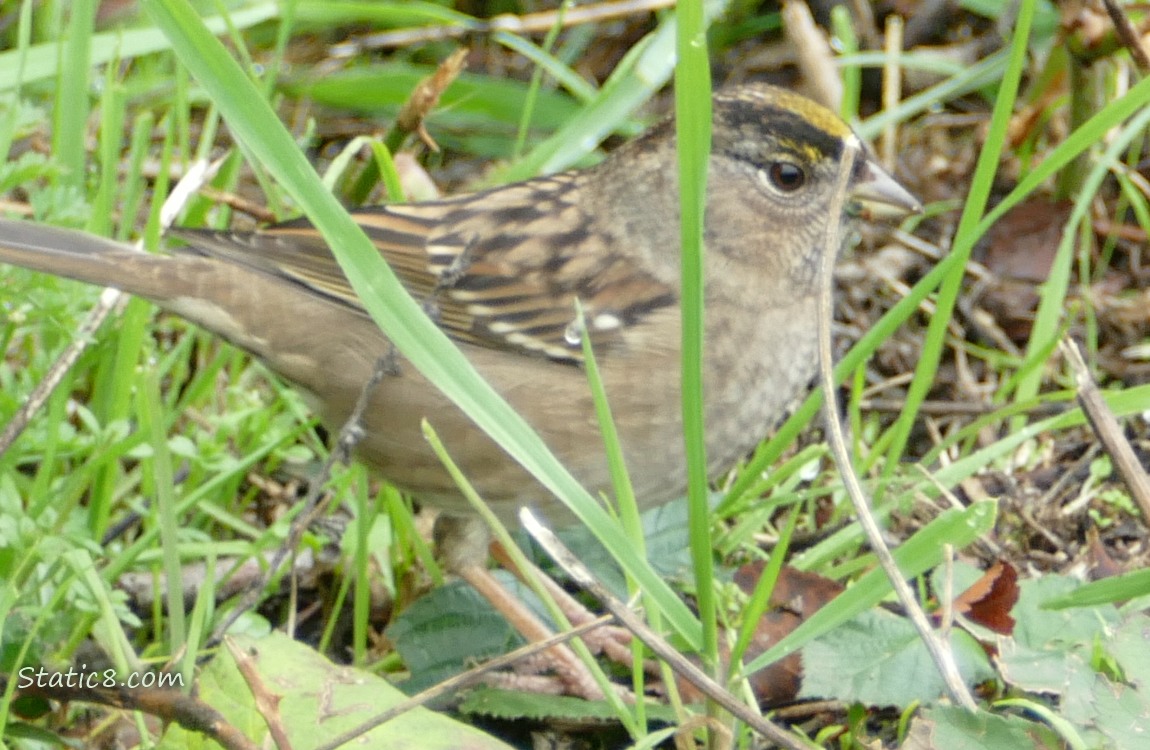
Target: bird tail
[[249, 306], [85, 257]]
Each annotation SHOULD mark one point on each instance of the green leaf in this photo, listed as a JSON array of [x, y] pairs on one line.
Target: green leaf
[[956, 728], [915, 556], [878, 659], [318, 701]]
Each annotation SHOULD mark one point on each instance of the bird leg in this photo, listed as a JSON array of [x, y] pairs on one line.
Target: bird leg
[[462, 544], [612, 641]]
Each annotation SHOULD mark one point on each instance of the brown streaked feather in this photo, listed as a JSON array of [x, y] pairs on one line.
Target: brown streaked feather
[[483, 283]]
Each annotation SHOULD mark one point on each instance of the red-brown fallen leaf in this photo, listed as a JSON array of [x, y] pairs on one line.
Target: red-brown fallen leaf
[[1022, 244], [796, 590], [989, 600], [796, 596], [1102, 563], [824, 512], [1019, 251]]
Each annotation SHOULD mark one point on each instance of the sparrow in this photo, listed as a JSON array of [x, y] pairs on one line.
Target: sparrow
[[500, 271]]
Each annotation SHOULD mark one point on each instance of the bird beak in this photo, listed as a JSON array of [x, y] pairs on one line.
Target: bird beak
[[875, 194]]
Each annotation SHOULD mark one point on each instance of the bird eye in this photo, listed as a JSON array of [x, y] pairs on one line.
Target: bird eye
[[786, 176]]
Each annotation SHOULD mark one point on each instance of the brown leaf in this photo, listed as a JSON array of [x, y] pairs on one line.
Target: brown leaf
[[796, 596], [989, 600]]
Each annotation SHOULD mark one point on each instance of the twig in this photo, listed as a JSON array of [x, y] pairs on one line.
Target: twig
[[862, 11], [349, 436], [891, 87], [936, 408], [1108, 430], [524, 24], [940, 652], [946, 615], [257, 211], [423, 98], [566, 664], [267, 703], [109, 298], [678, 663], [188, 711], [1128, 34], [815, 58]]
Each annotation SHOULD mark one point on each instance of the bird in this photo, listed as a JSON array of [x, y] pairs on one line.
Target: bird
[[500, 272]]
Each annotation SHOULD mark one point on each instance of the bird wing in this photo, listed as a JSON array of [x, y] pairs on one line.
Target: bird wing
[[501, 269]]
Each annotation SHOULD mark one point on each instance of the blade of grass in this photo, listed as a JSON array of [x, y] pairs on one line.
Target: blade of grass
[[547, 62], [967, 80], [1117, 590], [41, 61], [18, 59], [1122, 403], [851, 74], [536, 82], [644, 70], [693, 141], [162, 481], [760, 598], [627, 506], [70, 113], [965, 238], [1052, 293], [327, 14]]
